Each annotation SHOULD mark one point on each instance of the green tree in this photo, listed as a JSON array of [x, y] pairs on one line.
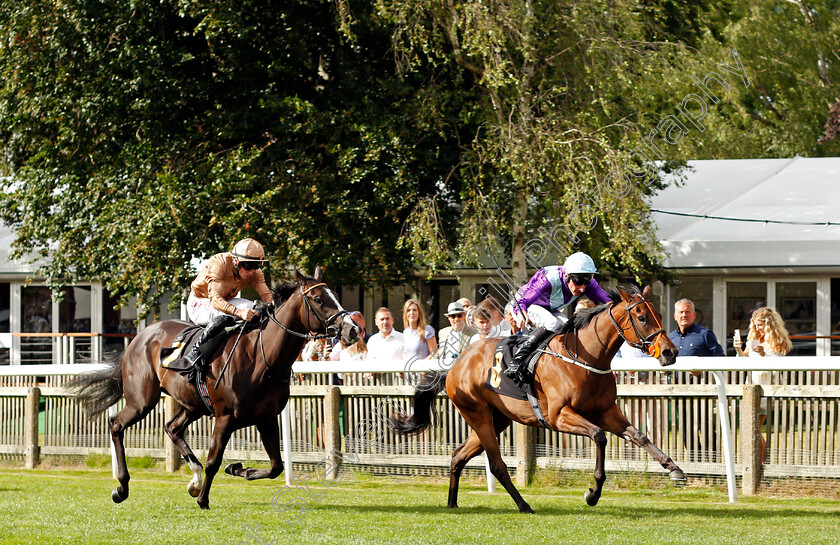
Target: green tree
[[144, 135], [791, 52], [561, 90]]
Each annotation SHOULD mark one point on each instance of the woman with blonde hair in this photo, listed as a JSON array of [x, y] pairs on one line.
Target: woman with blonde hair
[[767, 328], [418, 337], [767, 336]]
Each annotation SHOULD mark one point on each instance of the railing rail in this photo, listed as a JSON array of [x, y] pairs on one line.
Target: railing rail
[[715, 366]]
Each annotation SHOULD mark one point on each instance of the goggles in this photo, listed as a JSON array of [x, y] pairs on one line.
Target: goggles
[[250, 265], [580, 279]]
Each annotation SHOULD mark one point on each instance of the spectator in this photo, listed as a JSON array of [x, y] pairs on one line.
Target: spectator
[[499, 327], [316, 350], [768, 336], [387, 344], [454, 338], [356, 351], [690, 338], [418, 337], [482, 321], [466, 303], [693, 340], [584, 303]]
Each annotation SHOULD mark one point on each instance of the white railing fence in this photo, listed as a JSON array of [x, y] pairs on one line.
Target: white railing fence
[[310, 423]]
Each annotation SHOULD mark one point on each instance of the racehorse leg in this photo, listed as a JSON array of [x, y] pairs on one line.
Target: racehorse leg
[[270, 436], [615, 422], [224, 428], [175, 428], [569, 421], [468, 450], [136, 408], [483, 425]]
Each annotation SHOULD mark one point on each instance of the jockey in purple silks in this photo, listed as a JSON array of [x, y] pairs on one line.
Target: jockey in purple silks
[[542, 299]]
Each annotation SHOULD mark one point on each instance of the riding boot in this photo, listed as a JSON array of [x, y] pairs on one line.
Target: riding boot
[[216, 326], [518, 366]]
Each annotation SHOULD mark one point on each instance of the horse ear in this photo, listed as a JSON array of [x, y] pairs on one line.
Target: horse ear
[[646, 292], [624, 295], [319, 274], [299, 277]]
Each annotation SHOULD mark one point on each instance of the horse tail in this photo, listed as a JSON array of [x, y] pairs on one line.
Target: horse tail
[[98, 390], [424, 398]]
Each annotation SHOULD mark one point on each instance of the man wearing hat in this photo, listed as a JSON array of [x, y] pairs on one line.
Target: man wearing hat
[[213, 302], [453, 339]]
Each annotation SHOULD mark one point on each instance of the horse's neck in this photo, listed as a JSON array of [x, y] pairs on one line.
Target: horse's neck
[[282, 347], [602, 343]]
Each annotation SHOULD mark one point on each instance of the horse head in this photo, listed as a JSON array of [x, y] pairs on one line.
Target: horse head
[[644, 330], [321, 311]]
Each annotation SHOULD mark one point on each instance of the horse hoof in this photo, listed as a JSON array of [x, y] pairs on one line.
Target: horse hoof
[[591, 498], [525, 508], [117, 496], [677, 475], [204, 504], [193, 490], [231, 469]]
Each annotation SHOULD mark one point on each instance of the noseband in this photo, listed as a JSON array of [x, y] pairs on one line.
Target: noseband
[[649, 344], [330, 330]]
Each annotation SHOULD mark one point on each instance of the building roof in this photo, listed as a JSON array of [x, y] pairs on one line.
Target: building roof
[[799, 190]]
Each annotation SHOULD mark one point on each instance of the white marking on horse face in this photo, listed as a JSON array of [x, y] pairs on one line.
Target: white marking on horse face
[[335, 300]]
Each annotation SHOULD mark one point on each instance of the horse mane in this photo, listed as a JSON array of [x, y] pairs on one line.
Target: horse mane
[[582, 318], [282, 292]]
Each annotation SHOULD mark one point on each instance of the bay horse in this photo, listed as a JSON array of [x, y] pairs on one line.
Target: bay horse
[[253, 390], [573, 383]]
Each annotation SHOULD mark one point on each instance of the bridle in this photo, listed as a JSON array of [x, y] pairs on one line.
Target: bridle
[[649, 344], [331, 331]]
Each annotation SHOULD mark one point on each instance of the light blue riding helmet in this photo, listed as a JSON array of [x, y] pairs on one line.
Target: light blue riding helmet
[[579, 263]]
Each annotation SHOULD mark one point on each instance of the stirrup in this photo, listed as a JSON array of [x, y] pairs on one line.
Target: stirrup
[[193, 357]]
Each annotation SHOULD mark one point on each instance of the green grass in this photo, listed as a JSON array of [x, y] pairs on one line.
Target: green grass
[[73, 506]]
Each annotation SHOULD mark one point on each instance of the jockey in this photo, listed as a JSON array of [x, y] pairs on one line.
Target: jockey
[[213, 302], [542, 299]]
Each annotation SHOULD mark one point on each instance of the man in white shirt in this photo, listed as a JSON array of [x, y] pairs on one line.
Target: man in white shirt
[[387, 344]]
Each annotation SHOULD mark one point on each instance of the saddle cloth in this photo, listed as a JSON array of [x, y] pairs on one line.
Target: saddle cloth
[[171, 357], [502, 385]]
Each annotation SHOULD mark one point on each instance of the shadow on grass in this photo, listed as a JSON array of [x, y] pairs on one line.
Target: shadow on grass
[[612, 512]]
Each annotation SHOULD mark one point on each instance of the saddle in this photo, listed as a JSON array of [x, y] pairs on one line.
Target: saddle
[[172, 357], [502, 385]]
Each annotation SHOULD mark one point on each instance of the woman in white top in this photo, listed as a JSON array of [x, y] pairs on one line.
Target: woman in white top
[[418, 337], [768, 336]]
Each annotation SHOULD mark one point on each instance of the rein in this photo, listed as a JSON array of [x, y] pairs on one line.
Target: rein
[[646, 344], [330, 331]]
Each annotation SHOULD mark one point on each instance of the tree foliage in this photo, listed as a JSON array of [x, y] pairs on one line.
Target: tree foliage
[[376, 136], [146, 135], [560, 88]]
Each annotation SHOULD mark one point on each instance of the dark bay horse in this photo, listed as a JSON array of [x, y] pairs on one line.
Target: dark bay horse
[[573, 382], [253, 390]]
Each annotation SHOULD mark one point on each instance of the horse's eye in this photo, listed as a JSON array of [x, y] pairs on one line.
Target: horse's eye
[[643, 319], [317, 300]]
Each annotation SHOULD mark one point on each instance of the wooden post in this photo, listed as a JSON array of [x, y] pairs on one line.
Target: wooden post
[[31, 449], [332, 431], [173, 456], [750, 439], [524, 439]]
